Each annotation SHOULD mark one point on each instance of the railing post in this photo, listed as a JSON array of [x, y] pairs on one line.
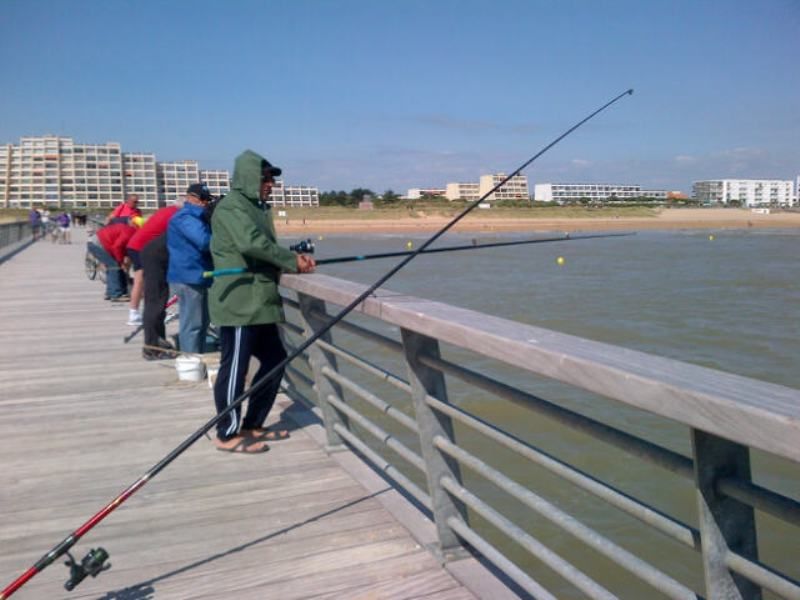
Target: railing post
[[427, 381], [725, 523], [318, 359]]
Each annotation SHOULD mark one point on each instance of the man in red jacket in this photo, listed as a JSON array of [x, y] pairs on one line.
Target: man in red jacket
[[150, 230], [125, 211], [110, 251]]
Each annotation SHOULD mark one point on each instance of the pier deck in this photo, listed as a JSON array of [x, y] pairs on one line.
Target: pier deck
[[83, 416]]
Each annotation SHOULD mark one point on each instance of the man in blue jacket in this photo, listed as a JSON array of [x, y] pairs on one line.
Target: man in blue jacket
[[188, 239]]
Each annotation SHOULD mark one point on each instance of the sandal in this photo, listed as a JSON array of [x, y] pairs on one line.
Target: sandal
[[242, 445], [266, 433]]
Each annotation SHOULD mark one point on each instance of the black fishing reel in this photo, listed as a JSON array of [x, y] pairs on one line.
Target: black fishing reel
[[303, 247], [92, 564]]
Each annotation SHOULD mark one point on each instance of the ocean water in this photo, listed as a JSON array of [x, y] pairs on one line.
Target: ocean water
[[724, 299]]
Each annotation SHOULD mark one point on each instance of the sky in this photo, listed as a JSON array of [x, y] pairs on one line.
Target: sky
[[416, 93]]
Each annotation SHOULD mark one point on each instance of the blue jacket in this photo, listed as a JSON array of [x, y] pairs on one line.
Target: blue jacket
[[188, 239]]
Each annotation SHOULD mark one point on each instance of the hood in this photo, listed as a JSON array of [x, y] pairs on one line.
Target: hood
[[247, 174]]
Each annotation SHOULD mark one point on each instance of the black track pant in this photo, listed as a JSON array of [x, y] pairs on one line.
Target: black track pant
[[155, 259], [237, 345]]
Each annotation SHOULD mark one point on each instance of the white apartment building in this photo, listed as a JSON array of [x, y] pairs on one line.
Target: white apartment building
[[463, 191], [515, 189], [294, 195], [600, 192], [174, 178], [417, 193], [745, 192], [217, 180], [54, 170], [140, 177]]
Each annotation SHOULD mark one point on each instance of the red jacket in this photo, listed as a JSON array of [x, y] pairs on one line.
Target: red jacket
[[114, 238], [152, 228], [124, 210]]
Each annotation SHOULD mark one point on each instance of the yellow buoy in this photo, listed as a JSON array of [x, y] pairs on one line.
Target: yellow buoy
[[320, 238], [711, 238], [560, 261], [409, 244]]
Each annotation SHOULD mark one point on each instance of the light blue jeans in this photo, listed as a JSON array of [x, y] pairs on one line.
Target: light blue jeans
[[193, 316]]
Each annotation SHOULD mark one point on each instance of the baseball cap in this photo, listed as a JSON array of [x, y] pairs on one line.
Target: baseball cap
[[200, 190], [267, 169]]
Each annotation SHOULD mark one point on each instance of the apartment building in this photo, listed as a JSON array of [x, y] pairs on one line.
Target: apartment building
[[745, 192], [217, 180], [55, 170], [141, 178], [515, 188], [599, 192], [173, 179], [463, 191], [294, 195]]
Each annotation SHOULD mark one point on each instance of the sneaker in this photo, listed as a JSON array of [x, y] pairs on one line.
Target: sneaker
[[150, 354], [134, 318], [123, 298]]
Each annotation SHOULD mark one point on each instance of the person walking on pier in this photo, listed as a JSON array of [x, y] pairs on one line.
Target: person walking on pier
[[35, 219], [247, 307]]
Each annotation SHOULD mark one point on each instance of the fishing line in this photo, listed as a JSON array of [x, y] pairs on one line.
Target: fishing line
[[474, 246], [67, 543]]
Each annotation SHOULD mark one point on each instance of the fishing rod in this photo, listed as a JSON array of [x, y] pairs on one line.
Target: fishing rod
[[473, 246], [93, 557], [133, 333]]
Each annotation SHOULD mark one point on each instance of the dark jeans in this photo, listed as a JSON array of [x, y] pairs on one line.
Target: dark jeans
[[237, 345], [116, 278], [155, 259]]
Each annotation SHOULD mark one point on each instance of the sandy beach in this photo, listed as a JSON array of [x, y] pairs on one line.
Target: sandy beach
[[674, 218]]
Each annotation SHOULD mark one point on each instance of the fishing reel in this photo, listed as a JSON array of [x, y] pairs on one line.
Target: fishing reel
[[303, 247], [91, 564]]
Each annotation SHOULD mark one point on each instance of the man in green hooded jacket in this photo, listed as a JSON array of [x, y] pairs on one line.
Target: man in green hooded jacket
[[247, 307]]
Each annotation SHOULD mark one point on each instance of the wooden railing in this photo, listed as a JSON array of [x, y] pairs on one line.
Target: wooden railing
[[410, 424]]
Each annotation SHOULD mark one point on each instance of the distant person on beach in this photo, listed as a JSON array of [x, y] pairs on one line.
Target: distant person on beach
[[125, 211], [188, 239], [35, 219], [110, 250], [149, 230], [247, 307]]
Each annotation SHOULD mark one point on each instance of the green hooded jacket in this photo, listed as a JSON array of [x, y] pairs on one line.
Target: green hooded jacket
[[243, 235]]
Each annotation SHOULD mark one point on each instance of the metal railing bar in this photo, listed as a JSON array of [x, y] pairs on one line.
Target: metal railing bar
[[296, 396], [295, 372], [383, 436], [762, 575], [374, 400], [363, 332], [660, 521], [291, 327], [367, 366], [290, 302], [565, 569], [380, 463], [499, 560], [647, 572], [761, 498], [669, 460]]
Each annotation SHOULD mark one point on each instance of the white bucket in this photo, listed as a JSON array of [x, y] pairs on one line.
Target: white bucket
[[190, 368]]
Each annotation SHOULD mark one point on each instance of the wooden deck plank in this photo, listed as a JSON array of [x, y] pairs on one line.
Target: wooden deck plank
[[84, 416]]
